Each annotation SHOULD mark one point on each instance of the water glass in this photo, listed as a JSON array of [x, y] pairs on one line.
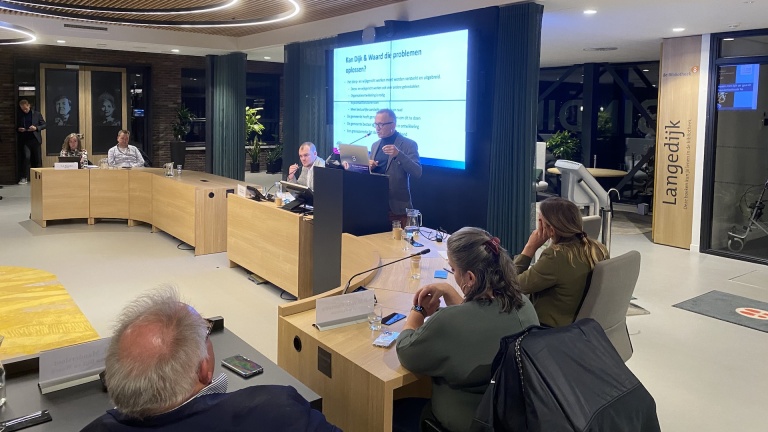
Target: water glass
[[2, 379], [178, 170], [374, 318], [397, 230], [416, 267]]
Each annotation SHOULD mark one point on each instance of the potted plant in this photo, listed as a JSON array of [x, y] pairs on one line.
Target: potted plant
[[183, 123], [180, 127], [275, 160], [563, 145], [253, 129]]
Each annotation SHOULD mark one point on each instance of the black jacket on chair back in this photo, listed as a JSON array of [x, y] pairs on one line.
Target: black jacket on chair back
[[564, 379]]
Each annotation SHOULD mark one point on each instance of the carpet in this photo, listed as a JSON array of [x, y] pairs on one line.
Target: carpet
[[630, 223], [730, 308], [37, 313]]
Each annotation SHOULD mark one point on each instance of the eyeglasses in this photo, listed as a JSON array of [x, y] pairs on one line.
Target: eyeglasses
[[381, 125], [208, 328]]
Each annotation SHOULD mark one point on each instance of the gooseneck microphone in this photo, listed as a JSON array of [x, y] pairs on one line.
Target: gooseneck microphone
[[364, 136], [346, 287]]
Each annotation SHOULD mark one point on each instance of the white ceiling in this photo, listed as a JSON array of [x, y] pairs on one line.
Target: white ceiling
[[635, 27]]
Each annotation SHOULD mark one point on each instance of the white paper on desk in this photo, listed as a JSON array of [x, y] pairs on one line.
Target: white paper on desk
[[337, 311], [241, 190], [69, 366], [443, 254], [65, 165]]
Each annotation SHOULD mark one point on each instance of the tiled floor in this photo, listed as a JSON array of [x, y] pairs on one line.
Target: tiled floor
[[706, 375]]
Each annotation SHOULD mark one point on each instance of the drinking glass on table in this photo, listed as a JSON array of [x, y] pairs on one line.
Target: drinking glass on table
[[374, 318]]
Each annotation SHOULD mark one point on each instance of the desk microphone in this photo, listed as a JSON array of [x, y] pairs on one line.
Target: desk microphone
[[346, 287], [364, 136]]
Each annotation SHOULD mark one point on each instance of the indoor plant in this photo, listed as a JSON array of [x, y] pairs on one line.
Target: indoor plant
[[275, 159], [253, 129], [183, 122], [563, 145]]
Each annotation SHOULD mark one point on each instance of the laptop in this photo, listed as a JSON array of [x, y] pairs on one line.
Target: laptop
[[70, 159], [356, 156]]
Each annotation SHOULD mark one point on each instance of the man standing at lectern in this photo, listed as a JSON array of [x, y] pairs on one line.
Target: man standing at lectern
[[397, 157]]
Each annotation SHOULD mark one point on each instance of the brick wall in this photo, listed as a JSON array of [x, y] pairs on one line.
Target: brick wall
[[165, 97]]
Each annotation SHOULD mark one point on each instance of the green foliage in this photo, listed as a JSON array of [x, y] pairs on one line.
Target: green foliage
[[275, 154], [253, 128], [183, 122], [563, 145]]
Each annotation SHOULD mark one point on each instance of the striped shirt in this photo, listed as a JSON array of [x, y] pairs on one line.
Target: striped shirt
[[125, 157]]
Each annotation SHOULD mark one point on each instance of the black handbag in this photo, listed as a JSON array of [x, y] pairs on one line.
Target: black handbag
[[563, 379]]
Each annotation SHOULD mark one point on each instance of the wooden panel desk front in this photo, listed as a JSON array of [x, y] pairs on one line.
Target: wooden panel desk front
[[273, 243], [191, 207], [365, 380]]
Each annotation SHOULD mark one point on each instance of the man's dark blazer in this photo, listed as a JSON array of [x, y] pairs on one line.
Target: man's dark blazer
[[399, 169], [37, 120]]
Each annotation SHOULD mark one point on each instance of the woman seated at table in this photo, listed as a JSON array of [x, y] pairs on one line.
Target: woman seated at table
[[558, 279], [456, 346], [124, 154], [72, 147]]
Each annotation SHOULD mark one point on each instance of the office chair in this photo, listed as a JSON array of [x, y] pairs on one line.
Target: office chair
[[607, 298]]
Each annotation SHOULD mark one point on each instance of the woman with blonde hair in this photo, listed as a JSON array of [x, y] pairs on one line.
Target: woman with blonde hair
[[556, 282], [73, 147]]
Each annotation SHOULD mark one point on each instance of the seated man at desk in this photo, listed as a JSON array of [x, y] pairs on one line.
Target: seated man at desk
[[124, 154], [159, 372], [309, 160]]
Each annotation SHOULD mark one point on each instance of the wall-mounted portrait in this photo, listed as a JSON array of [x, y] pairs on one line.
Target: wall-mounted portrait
[[61, 107]]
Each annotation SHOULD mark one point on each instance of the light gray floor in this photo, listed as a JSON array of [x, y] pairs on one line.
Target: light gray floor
[[705, 374]]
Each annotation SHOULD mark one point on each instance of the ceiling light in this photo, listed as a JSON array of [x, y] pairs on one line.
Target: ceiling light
[[590, 12], [646, 70], [678, 29], [133, 11], [174, 50], [267, 58], [61, 41], [29, 34], [728, 39], [48, 8]]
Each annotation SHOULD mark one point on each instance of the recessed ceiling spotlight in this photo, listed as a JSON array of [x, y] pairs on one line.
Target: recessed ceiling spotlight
[[678, 29], [174, 50], [267, 58], [728, 39], [590, 12], [646, 70], [61, 41]]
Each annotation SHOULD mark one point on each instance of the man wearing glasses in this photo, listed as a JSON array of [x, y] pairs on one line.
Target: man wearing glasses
[[159, 374], [398, 157]]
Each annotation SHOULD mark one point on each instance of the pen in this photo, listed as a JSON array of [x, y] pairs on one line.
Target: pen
[[449, 271]]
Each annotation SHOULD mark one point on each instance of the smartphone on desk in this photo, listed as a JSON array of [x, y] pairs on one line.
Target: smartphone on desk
[[392, 318], [242, 366]]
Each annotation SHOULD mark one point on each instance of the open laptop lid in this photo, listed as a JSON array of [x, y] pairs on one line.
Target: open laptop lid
[[70, 159], [356, 156]]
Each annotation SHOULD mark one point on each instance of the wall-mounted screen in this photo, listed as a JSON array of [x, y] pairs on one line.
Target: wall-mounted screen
[[422, 79], [737, 87]]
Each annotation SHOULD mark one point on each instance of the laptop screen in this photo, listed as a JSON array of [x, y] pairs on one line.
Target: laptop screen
[[356, 156]]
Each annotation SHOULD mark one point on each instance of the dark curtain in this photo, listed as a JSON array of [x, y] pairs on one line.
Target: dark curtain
[[227, 126], [306, 117], [510, 192]]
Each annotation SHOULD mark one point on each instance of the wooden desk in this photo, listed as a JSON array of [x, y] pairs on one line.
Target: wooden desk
[[596, 172], [191, 208], [73, 408], [273, 243], [365, 380]]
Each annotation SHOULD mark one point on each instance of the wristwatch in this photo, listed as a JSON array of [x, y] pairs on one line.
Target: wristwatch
[[419, 309]]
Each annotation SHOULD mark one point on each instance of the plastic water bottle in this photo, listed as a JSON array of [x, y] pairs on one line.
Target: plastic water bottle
[[178, 170]]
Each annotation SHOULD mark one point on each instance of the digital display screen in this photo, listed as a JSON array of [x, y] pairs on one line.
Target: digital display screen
[[422, 79], [737, 87]]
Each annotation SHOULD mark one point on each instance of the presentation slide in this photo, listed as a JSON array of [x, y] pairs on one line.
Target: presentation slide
[[422, 79], [737, 87]]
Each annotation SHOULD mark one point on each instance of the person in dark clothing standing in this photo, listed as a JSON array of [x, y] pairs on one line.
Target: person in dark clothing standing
[[159, 374], [29, 125]]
